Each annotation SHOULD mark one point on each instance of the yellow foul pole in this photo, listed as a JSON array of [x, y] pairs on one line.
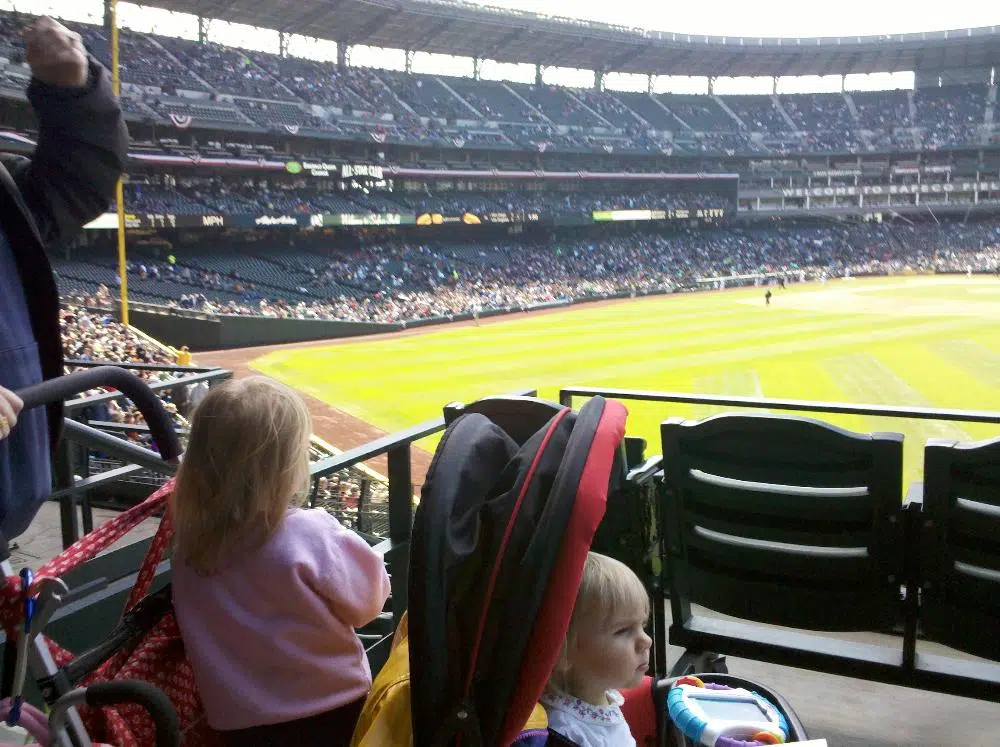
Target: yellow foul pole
[[116, 82]]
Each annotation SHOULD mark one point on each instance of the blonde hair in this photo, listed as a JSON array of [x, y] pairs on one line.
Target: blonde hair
[[247, 458], [608, 588]]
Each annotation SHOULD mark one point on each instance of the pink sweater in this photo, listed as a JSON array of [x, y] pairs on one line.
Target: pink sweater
[[271, 639]]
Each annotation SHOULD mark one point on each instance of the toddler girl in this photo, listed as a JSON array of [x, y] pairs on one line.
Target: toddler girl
[[267, 596], [606, 649]]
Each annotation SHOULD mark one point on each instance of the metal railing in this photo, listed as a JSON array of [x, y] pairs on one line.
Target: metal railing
[[566, 395], [395, 510], [84, 446]]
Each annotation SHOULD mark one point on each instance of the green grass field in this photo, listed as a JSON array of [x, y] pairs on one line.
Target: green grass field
[[902, 341]]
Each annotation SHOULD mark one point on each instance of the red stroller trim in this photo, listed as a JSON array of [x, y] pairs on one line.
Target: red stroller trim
[[557, 608]]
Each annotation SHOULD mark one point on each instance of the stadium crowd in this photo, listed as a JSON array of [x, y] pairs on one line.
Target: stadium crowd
[[394, 281], [200, 195], [278, 93], [92, 335]]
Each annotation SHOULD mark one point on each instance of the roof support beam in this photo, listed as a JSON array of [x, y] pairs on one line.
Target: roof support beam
[[615, 63], [508, 38], [554, 55], [314, 14], [362, 35], [421, 44], [840, 66]]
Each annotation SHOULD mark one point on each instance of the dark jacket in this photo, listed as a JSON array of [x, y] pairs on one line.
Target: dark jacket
[[68, 182]]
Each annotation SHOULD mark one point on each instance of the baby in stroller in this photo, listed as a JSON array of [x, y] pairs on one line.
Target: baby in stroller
[[504, 642], [606, 650]]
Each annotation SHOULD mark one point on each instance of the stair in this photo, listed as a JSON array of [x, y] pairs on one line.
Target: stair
[[896, 243], [725, 107], [792, 127], [663, 106], [631, 111], [853, 108], [991, 100], [466, 104], [582, 103], [392, 93], [527, 103], [152, 40]]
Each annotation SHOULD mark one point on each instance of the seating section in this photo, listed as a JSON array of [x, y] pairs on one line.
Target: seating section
[[950, 114], [197, 110], [314, 82], [148, 198], [272, 92], [226, 69], [744, 539], [145, 63], [277, 114], [557, 104], [380, 97], [491, 98], [648, 108], [701, 113], [758, 113], [392, 279], [426, 95], [608, 106]]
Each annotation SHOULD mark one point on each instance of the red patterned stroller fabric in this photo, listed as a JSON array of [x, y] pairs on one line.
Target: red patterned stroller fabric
[[158, 657]]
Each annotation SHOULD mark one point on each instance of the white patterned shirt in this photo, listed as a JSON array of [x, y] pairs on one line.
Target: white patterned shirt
[[585, 724]]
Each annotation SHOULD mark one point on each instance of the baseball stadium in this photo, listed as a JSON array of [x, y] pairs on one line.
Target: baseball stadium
[[547, 293]]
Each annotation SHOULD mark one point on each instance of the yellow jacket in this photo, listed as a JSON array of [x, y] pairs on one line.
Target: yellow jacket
[[385, 719]]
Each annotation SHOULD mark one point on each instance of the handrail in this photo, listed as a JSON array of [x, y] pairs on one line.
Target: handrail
[[76, 363], [390, 441], [119, 448], [151, 407], [566, 395], [213, 375], [376, 448]]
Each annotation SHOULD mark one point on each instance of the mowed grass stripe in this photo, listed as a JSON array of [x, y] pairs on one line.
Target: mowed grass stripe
[[346, 380], [974, 357], [734, 383], [641, 350], [865, 378], [722, 343]]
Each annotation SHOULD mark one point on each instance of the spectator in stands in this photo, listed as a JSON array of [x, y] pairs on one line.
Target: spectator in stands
[[183, 356], [67, 182], [293, 671]]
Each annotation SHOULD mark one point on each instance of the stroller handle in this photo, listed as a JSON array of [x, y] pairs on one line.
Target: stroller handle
[[150, 697], [152, 409]]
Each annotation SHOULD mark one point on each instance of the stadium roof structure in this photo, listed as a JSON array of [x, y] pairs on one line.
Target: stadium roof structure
[[460, 28]]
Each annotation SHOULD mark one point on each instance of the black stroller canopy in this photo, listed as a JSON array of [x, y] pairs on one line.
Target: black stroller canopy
[[498, 546]]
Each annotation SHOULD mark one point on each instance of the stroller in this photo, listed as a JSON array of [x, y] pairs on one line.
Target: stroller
[[509, 509], [27, 604]]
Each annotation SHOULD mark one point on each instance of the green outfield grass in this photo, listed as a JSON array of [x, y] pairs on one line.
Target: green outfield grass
[[903, 341]]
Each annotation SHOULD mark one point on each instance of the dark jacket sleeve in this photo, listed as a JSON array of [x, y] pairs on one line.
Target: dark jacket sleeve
[[82, 144]]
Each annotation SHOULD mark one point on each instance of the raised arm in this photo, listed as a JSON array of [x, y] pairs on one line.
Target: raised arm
[[82, 139]]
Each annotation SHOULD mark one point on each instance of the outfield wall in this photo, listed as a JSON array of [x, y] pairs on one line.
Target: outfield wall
[[208, 332], [221, 332]]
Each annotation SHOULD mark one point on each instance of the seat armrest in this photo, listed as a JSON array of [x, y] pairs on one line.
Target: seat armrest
[[646, 470], [914, 500]]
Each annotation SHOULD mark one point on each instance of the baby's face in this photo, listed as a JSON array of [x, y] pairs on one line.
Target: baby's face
[[612, 654]]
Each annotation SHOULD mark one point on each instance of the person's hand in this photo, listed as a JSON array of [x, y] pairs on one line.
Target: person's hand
[[56, 54], [10, 407]]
